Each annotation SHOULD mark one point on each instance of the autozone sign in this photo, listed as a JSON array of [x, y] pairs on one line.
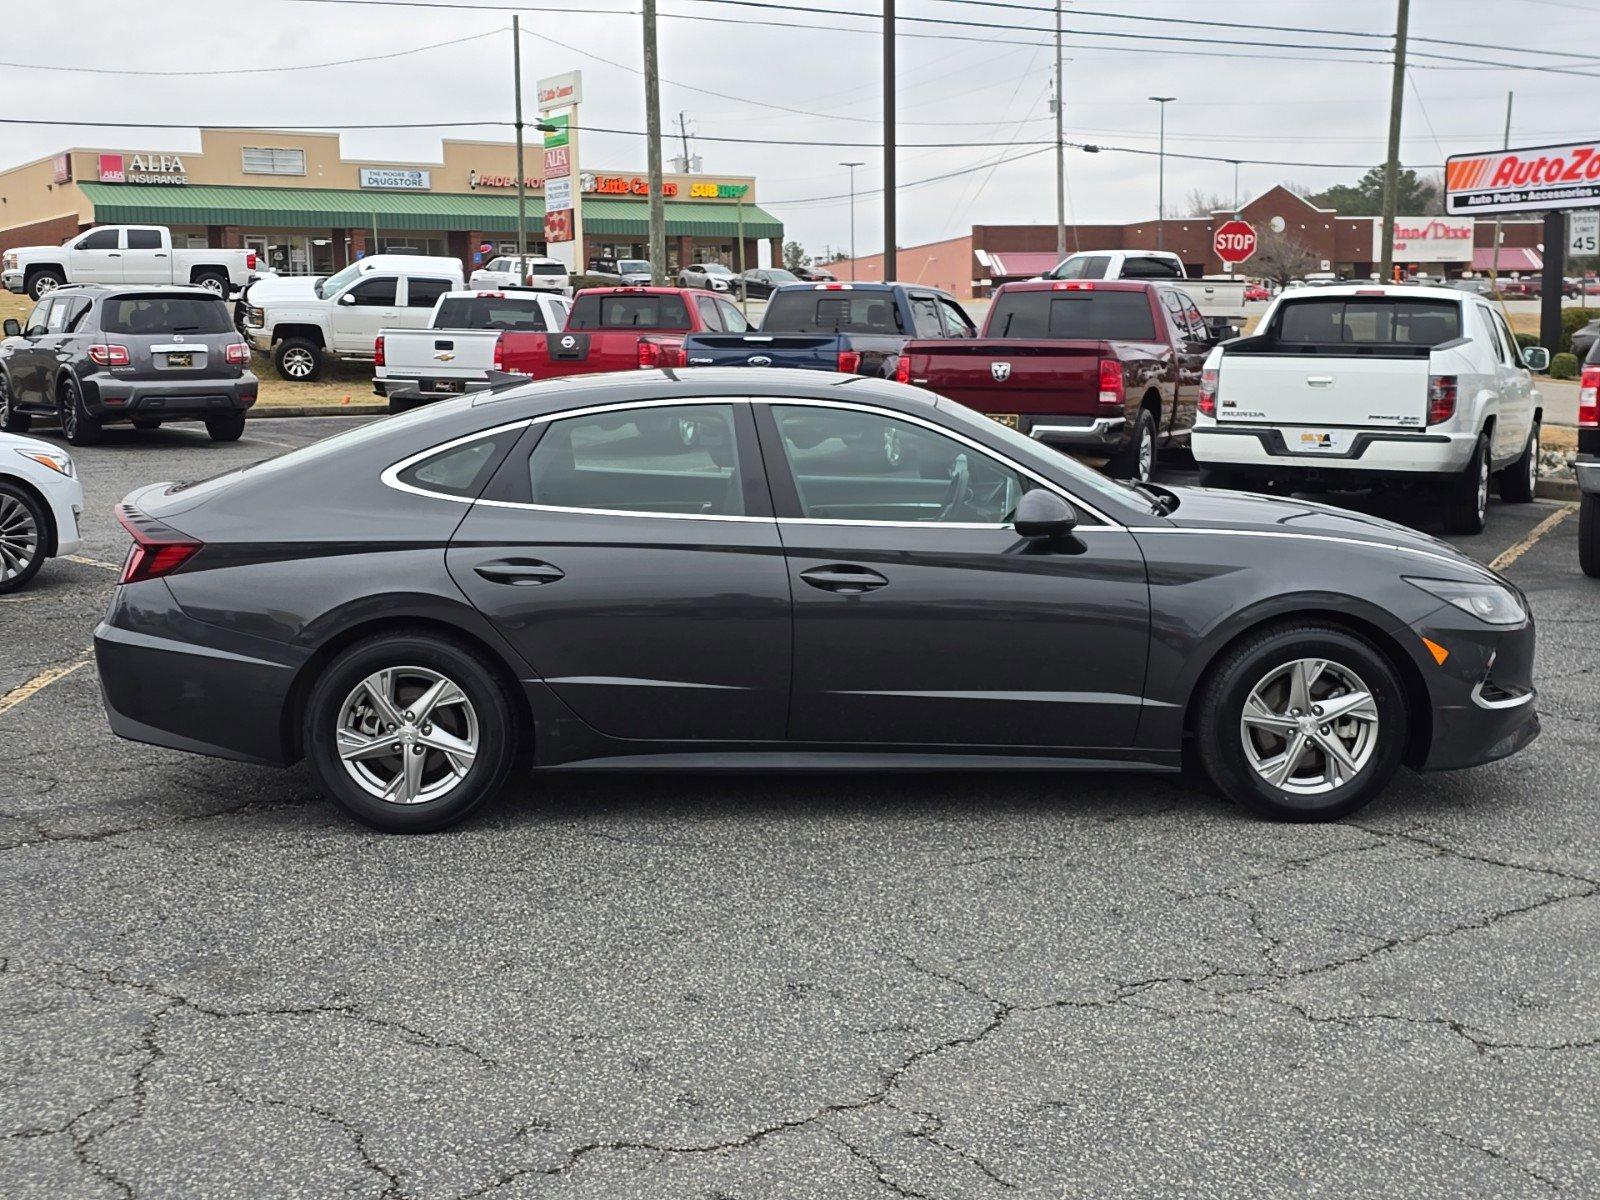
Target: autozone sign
[[1531, 180]]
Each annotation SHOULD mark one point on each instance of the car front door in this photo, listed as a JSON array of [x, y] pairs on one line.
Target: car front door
[[921, 617], [631, 557], [362, 310], [96, 257], [25, 360]]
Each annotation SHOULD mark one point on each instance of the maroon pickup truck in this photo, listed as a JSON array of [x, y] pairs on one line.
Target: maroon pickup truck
[[619, 329], [1108, 369]]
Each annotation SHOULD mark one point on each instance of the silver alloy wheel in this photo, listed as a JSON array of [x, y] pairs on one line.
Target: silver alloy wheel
[[19, 538], [1309, 726], [212, 284], [5, 402], [1147, 455], [44, 285], [1533, 460], [68, 406], [407, 735], [1483, 484], [297, 363]]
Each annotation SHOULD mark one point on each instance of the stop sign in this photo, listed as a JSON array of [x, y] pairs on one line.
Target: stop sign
[[1235, 241]]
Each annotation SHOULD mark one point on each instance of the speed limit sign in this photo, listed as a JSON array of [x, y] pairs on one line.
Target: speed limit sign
[[1583, 232]]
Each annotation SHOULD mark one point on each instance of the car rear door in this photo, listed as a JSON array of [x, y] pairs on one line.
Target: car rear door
[[630, 555], [145, 257], [920, 617]]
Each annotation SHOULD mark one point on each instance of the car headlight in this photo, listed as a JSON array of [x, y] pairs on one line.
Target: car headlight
[[1491, 603], [57, 462], [255, 316]]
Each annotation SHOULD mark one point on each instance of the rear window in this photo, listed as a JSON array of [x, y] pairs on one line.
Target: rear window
[[1094, 316], [490, 312], [165, 314], [629, 312], [1367, 321], [805, 311], [547, 268]]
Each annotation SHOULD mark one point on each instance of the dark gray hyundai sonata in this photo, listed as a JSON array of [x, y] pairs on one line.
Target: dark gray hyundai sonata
[[772, 569]]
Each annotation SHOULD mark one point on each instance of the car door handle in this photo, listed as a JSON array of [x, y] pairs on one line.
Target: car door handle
[[845, 579], [520, 572], [1319, 380]]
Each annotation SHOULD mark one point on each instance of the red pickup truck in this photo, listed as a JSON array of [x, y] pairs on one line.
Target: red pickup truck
[[1108, 369], [619, 329]]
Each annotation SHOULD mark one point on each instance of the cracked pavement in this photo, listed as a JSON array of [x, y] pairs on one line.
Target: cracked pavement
[[950, 988]]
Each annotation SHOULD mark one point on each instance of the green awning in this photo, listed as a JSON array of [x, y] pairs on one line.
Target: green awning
[[319, 208]]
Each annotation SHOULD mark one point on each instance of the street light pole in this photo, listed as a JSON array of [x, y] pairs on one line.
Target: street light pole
[[1161, 175], [890, 266], [1236, 187], [852, 166], [1061, 153]]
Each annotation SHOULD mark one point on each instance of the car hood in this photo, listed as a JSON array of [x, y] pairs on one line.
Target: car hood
[[13, 441], [1246, 512], [272, 288]]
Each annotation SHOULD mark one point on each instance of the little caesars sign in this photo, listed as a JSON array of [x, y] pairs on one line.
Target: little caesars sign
[[143, 168]]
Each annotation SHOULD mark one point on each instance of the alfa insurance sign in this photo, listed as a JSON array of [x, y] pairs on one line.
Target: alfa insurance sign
[[1536, 179]]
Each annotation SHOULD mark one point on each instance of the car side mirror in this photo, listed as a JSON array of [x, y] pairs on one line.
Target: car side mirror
[[1044, 514], [1536, 358], [13, 327], [348, 298]]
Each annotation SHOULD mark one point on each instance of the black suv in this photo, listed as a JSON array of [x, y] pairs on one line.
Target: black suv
[[91, 355]]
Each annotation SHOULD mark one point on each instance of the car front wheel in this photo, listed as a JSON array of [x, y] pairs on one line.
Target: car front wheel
[[409, 732], [11, 421], [24, 527], [1302, 722], [298, 359]]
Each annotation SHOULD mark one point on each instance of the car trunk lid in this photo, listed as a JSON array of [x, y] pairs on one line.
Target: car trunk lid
[[1004, 375]]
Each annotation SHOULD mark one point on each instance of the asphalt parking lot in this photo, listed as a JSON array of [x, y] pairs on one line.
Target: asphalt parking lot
[[214, 985]]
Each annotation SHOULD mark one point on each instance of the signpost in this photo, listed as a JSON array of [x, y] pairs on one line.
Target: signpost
[[563, 203], [1583, 233], [1234, 242]]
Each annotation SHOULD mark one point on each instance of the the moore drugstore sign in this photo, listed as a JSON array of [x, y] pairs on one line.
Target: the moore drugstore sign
[[1536, 179]]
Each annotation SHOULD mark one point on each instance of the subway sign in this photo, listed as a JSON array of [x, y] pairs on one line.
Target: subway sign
[[1536, 179]]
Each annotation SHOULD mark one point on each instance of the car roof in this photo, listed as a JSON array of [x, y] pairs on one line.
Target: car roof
[[511, 293], [1427, 291], [579, 391], [105, 290], [633, 289], [1083, 285]]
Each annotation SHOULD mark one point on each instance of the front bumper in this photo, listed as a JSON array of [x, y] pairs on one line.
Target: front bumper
[[12, 280], [1375, 451], [1483, 698], [111, 398]]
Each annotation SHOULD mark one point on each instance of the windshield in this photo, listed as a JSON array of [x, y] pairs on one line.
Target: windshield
[[715, 269], [1087, 315], [634, 266], [805, 310], [333, 283], [161, 315]]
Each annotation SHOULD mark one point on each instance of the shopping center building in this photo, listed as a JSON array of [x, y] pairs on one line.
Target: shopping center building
[[306, 209]]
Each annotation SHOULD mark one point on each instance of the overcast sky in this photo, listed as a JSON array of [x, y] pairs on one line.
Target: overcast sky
[[1303, 106]]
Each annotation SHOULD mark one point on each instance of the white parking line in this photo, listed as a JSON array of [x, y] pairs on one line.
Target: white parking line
[[1543, 527], [39, 682], [92, 562]]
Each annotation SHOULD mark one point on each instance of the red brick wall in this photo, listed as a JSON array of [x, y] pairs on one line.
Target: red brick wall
[[41, 233]]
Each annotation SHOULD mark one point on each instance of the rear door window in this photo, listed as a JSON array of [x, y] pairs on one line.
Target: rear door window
[[1368, 321], [1140, 267], [144, 239], [732, 319], [834, 311], [956, 324], [135, 315], [1087, 315], [1083, 266], [707, 308], [925, 313], [425, 293], [629, 311]]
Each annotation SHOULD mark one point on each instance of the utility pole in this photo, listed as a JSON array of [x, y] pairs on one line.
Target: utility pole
[[683, 128], [891, 267], [1494, 258], [522, 191], [652, 125], [852, 166], [1391, 169], [1061, 153], [1161, 175]]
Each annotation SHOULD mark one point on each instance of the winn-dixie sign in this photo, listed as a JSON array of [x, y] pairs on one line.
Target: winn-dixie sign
[[1531, 180], [1426, 239]]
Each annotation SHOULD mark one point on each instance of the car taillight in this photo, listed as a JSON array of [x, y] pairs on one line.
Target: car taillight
[[649, 355], [1111, 386], [378, 359], [902, 369], [849, 362], [1441, 398], [157, 549], [250, 260], [500, 353], [239, 353], [1208, 393], [109, 355], [1589, 397]]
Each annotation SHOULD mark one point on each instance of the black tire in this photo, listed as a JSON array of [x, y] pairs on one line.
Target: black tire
[[490, 703], [22, 551], [11, 421], [1137, 458], [145, 424], [297, 359], [44, 281], [78, 425], [213, 281], [226, 428], [1520, 480], [1466, 497], [1220, 736], [1589, 535]]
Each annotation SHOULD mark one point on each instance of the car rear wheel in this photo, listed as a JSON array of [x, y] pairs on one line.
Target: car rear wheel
[[24, 535], [1589, 535], [1520, 480], [213, 282], [298, 359], [1302, 722], [1137, 458], [11, 421], [409, 732], [78, 425], [1466, 498]]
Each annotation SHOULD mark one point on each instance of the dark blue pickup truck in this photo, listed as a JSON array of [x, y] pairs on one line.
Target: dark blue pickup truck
[[856, 328]]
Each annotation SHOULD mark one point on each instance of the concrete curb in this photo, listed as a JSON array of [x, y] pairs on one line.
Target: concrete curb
[[320, 410], [1558, 489]]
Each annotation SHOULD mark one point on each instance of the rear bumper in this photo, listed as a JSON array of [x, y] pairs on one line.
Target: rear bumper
[[110, 397], [1078, 433], [1588, 476], [425, 386], [1379, 451]]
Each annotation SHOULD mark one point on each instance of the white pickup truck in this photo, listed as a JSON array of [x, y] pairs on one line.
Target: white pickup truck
[[457, 350], [118, 254], [543, 274], [1354, 385], [302, 323], [1220, 300]]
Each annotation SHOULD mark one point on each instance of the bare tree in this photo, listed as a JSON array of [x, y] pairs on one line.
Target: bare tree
[[1280, 258], [1201, 203]]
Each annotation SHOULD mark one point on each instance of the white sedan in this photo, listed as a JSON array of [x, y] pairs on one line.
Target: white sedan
[[41, 500]]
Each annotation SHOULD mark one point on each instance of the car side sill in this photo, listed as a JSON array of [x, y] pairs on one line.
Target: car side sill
[[860, 760]]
